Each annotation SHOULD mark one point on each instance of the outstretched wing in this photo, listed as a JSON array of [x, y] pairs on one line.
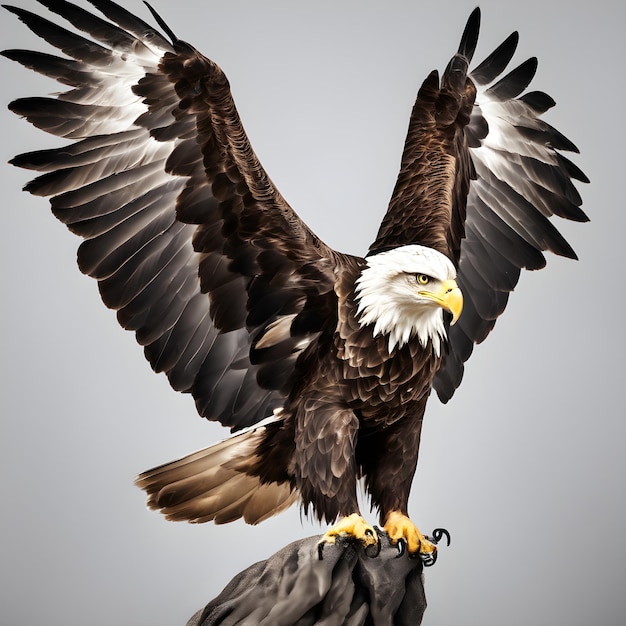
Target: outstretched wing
[[522, 180], [481, 175], [187, 236]]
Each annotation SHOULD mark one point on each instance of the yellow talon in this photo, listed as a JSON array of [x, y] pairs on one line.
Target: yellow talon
[[352, 526], [399, 526]]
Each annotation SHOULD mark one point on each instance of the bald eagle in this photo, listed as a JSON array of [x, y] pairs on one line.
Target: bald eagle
[[322, 361]]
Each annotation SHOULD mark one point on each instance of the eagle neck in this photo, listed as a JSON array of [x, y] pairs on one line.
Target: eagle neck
[[403, 373]]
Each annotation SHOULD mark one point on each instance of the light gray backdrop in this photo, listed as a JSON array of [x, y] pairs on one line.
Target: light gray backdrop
[[525, 466]]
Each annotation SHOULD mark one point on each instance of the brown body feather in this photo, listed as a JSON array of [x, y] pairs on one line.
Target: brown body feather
[[356, 414]]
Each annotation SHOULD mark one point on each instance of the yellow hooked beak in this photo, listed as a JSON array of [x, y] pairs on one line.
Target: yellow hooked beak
[[448, 296]]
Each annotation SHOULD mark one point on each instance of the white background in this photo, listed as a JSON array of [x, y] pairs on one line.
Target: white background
[[525, 466]]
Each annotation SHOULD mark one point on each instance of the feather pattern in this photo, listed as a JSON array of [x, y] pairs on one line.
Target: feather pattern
[[212, 485], [480, 178], [521, 181], [183, 229], [241, 305]]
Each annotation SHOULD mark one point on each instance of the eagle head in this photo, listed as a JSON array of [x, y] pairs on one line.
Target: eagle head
[[403, 293]]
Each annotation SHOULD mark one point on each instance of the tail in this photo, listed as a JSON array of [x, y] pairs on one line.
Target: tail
[[213, 485]]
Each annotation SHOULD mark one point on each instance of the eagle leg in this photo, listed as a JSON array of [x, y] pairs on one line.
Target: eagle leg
[[399, 527], [349, 527]]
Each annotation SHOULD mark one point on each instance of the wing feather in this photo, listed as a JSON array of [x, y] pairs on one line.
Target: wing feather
[[512, 85], [522, 180], [495, 63], [202, 257], [68, 42], [481, 177], [183, 229], [133, 24]]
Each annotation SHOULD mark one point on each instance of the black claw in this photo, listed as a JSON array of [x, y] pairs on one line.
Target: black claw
[[373, 550], [320, 550], [401, 547], [438, 533]]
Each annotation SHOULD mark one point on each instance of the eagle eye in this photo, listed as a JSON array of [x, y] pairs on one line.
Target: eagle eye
[[422, 279]]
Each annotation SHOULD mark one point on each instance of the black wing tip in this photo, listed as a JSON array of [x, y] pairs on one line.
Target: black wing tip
[[560, 141], [14, 105], [494, 64], [526, 69], [516, 81], [27, 160], [572, 169], [23, 14], [510, 43], [19, 55], [565, 250], [28, 104], [469, 38], [13, 9], [539, 101], [532, 62], [161, 22], [50, 4]]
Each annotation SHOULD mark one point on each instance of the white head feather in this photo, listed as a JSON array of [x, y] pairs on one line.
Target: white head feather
[[387, 295]]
